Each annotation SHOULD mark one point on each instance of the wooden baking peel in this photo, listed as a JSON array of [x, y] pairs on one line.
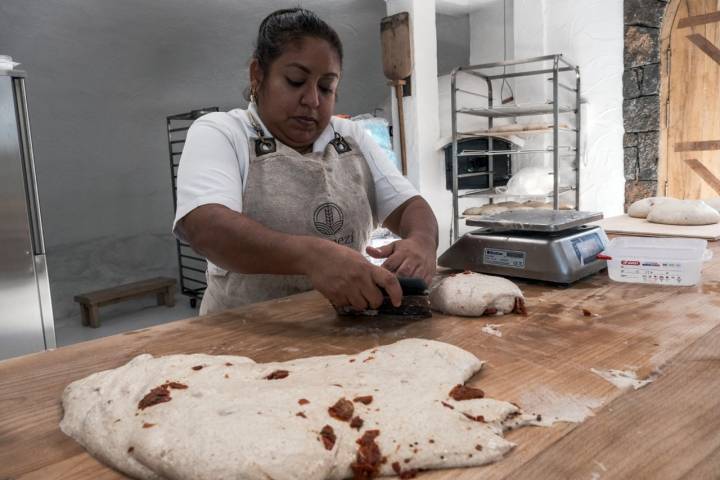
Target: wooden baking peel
[[397, 65]]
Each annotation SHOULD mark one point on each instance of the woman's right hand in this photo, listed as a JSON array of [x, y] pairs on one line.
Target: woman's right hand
[[346, 278]]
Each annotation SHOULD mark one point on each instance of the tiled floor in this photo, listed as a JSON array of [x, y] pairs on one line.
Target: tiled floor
[[70, 330]]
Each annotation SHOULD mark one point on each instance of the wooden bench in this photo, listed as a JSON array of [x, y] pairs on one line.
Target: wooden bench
[[163, 287]]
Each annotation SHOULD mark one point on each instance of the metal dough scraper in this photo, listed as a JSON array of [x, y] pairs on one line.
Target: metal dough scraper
[[415, 302]]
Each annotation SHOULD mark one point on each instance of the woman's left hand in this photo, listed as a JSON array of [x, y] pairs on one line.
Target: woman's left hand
[[409, 257]]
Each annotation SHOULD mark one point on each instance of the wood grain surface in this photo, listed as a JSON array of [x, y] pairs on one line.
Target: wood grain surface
[[627, 225], [689, 104], [665, 430]]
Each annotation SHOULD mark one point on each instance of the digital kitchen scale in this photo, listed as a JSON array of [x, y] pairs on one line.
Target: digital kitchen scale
[[551, 245]]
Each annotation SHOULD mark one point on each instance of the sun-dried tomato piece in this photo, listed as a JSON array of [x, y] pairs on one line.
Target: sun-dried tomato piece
[[447, 405], [148, 425], [586, 312], [356, 423], [364, 399], [342, 410], [130, 450], [368, 458], [157, 395], [478, 418], [228, 364], [277, 375], [303, 401], [327, 434], [404, 474], [478, 447], [300, 414], [177, 385], [197, 367], [461, 392]]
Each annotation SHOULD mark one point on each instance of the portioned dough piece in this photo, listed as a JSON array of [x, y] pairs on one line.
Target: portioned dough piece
[[683, 212], [641, 208], [233, 422], [713, 202], [471, 294]]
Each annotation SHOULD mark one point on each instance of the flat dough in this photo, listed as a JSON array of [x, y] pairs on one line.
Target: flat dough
[[641, 208], [713, 202], [233, 422], [486, 210], [683, 212], [492, 209], [473, 294]]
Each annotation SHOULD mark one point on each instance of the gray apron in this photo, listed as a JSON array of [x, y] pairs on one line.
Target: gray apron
[[328, 194]]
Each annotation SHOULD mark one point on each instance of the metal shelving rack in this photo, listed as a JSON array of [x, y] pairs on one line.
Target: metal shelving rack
[[191, 265], [560, 65]]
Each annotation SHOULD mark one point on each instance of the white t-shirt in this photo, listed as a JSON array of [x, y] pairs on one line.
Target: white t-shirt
[[214, 164]]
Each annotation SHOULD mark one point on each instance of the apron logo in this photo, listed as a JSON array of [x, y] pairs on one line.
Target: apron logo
[[328, 218]]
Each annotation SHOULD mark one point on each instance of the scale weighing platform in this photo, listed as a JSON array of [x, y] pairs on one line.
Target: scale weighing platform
[[550, 245]]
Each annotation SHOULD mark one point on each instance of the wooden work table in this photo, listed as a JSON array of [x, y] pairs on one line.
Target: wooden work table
[[668, 429]]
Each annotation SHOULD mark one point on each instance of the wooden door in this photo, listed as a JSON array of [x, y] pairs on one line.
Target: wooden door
[[690, 103]]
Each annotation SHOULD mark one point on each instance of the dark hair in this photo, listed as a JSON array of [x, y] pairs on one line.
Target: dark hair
[[287, 25]]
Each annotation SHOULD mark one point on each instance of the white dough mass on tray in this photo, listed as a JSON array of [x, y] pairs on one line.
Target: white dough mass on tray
[[473, 294], [683, 212], [641, 208], [385, 411]]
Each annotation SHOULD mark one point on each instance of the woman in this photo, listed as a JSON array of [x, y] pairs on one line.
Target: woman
[[281, 198]]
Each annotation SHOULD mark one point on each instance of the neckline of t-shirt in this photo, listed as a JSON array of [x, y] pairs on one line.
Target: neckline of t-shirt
[[319, 146]]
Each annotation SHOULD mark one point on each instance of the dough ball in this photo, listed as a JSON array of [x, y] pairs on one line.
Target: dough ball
[[472, 294], [641, 208], [683, 212]]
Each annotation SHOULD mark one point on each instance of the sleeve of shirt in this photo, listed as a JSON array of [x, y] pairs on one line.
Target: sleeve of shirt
[[210, 169], [391, 188]]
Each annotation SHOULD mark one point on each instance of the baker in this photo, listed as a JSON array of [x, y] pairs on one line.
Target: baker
[[282, 197]]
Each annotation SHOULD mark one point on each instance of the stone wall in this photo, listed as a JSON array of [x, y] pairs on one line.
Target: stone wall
[[641, 94]]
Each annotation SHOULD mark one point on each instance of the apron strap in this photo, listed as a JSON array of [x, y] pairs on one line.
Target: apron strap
[[263, 144], [341, 146]]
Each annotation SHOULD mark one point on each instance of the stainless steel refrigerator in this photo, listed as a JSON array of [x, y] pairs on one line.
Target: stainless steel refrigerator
[[26, 320]]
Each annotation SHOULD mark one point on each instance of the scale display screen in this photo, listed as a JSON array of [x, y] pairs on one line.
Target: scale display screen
[[587, 247]]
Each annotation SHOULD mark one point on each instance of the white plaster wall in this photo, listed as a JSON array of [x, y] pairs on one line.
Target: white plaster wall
[[425, 169], [590, 32]]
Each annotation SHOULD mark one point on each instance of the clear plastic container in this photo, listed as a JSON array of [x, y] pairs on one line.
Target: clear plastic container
[[659, 261]]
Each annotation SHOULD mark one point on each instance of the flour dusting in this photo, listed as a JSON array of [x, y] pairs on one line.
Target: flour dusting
[[622, 379], [558, 407], [492, 329]]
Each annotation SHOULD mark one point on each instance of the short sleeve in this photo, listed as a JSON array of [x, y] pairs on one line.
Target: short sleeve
[[391, 188], [212, 168]]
